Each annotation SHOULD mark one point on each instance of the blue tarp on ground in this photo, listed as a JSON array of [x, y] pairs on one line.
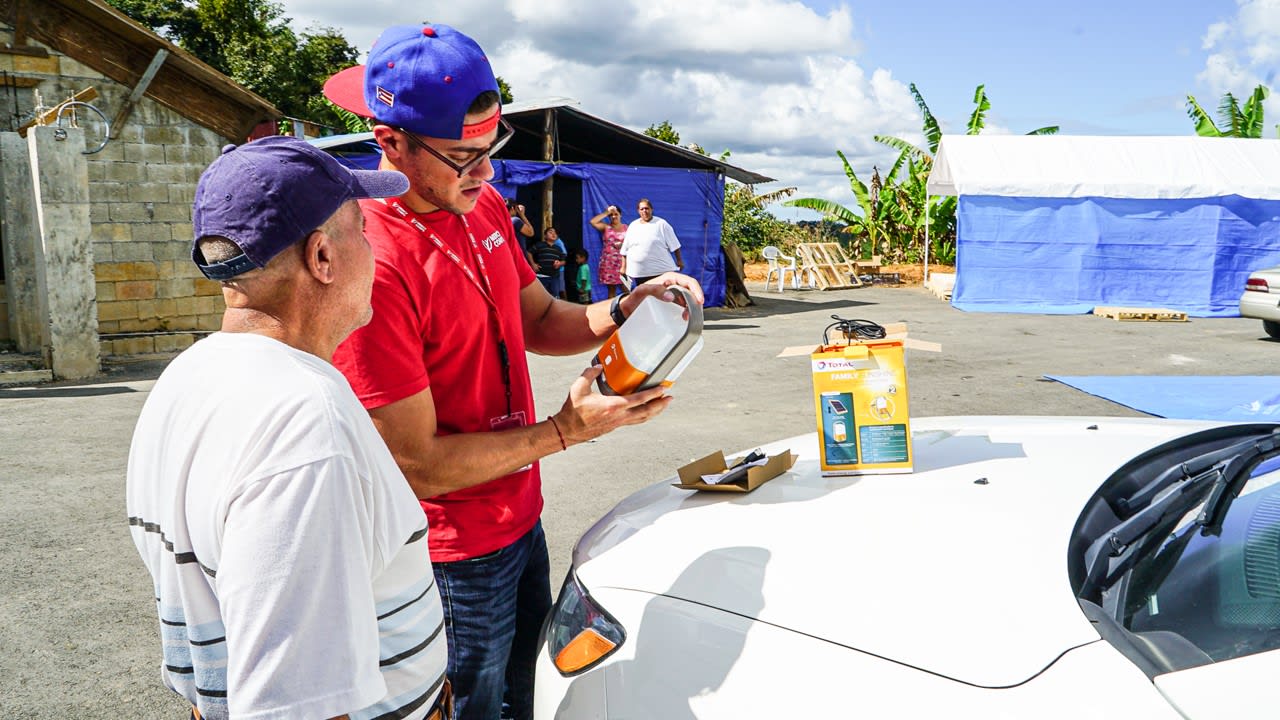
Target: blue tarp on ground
[[691, 200], [1243, 398], [1068, 255]]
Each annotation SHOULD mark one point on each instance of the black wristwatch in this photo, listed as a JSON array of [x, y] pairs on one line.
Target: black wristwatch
[[615, 310]]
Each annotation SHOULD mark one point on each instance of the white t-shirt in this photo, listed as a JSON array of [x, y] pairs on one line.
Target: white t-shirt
[[648, 247], [289, 556]]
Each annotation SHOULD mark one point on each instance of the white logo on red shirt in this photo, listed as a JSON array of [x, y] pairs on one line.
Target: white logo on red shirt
[[493, 241]]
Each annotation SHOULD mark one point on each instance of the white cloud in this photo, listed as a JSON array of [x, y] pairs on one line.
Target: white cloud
[[1246, 54], [1215, 34], [776, 82]]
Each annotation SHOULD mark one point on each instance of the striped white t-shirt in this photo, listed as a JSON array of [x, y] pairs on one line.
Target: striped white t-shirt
[[289, 556]]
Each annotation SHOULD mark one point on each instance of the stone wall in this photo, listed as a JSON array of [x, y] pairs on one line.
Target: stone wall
[[141, 186]]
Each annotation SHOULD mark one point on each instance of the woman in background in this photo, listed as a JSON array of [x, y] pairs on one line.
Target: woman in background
[[612, 232]]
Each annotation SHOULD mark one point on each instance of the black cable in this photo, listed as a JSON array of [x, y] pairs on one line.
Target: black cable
[[853, 329]]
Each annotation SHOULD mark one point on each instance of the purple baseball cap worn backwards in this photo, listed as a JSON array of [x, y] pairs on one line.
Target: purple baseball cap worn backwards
[[268, 194], [422, 78]]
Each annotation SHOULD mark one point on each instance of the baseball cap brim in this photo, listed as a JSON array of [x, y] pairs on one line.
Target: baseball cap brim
[[378, 183], [346, 90]]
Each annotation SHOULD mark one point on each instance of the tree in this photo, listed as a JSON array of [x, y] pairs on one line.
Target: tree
[[504, 90], [251, 42], [893, 217], [663, 131], [1236, 121], [747, 223]]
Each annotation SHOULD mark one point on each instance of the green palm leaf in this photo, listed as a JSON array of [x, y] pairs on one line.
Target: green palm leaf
[[1253, 112], [1205, 126], [829, 209], [1229, 114], [977, 120], [932, 132]]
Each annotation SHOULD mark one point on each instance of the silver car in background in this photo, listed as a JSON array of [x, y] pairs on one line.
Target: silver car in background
[[1261, 299]]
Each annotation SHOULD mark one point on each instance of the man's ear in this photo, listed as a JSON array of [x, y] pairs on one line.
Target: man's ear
[[394, 145], [318, 256]]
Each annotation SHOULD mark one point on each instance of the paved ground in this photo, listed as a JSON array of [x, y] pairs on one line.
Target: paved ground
[[77, 626]]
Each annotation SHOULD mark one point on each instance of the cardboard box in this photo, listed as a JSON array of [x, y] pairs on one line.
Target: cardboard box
[[860, 399], [714, 464]]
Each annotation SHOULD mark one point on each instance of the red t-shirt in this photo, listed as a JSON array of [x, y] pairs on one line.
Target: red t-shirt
[[433, 328]]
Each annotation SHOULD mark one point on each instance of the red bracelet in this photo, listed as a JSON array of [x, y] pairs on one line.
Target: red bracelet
[[552, 419]]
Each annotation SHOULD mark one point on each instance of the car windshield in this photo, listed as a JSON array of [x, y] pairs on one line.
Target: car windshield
[[1192, 575]]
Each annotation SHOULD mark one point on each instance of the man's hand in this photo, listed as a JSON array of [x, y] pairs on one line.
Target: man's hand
[[657, 287], [587, 415]]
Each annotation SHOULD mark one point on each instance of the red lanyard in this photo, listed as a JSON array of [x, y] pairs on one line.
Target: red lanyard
[[485, 289]]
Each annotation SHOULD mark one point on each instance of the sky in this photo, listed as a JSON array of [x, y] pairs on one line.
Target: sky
[[783, 84]]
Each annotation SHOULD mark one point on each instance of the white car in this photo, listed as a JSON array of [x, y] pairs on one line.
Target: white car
[[1028, 568], [1261, 299]]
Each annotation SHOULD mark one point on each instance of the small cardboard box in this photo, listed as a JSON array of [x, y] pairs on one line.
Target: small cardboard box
[[860, 399], [714, 464]]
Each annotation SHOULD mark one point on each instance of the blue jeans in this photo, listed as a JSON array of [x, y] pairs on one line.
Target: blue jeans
[[494, 606]]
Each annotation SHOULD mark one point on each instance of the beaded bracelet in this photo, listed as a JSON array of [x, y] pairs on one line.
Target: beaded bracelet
[[563, 444]]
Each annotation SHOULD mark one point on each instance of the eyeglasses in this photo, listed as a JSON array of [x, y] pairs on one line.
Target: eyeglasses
[[468, 166]]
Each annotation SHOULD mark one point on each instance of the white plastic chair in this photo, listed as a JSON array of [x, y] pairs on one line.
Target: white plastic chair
[[781, 264]]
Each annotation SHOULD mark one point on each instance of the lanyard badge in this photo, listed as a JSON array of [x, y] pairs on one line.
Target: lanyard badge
[[485, 289]]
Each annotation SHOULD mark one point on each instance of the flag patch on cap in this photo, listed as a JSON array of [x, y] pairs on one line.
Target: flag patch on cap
[[385, 97]]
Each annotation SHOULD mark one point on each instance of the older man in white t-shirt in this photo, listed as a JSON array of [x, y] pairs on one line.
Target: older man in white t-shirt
[[650, 242], [289, 556]]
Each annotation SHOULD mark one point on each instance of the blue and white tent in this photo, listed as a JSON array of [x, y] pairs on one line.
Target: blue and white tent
[[1061, 224]]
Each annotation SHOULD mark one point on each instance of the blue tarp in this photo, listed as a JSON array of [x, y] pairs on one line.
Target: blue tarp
[[691, 200], [1068, 255], [1242, 398]]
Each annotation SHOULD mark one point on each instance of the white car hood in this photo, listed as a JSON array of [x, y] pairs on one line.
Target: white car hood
[[958, 569]]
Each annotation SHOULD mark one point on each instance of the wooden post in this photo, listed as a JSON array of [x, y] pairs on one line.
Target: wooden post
[[138, 91], [548, 155]]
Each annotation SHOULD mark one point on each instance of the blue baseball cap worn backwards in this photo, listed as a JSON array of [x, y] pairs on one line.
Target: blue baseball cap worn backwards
[[268, 194], [422, 78]]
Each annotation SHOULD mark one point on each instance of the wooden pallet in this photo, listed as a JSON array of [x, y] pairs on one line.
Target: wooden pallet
[[1132, 314], [826, 266]]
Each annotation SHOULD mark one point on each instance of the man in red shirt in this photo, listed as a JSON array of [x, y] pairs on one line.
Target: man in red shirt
[[442, 366]]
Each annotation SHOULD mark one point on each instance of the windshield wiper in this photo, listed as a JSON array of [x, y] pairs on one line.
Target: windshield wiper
[[1219, 475], [1237, 471], [1179, 472]]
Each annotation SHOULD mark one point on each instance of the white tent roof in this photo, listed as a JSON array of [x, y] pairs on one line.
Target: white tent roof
[[1065, 166]]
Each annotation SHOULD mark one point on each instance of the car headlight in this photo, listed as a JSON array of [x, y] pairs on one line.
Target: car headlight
[[579, 632]]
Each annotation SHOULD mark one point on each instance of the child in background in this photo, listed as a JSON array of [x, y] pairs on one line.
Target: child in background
[[584, 276]]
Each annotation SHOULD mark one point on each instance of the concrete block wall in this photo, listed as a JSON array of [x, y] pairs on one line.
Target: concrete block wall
[[141, 186]]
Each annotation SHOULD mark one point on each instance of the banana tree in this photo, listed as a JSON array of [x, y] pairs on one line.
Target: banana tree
[[874, 222], [900, 216], [1236, 121], [935, 217]]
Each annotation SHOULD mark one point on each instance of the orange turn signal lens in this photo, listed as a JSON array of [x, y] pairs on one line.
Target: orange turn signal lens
[[583, 650]]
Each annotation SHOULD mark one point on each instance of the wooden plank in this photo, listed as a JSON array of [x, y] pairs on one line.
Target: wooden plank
[[18, 81], [138, 91], [827, 263], [1138, 314], [47, 117]]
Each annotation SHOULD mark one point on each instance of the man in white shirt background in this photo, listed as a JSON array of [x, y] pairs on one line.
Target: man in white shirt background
[[649, 246]]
